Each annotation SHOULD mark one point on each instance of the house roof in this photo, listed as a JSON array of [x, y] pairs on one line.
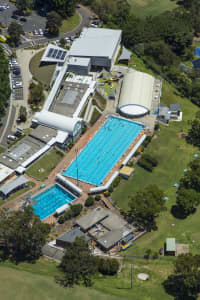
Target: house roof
[[92, 218], [126, 54], [71, 236], [10, 186], [170, 244], [175, 107]]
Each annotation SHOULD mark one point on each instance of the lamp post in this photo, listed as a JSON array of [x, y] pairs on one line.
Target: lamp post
[[76, 151]]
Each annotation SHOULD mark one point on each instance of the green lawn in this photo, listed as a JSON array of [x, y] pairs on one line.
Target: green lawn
[[95, 115], [108, 88], [45, 165], [36, 281], [173, 155], [143, 8], [42, 73], [70, 23]]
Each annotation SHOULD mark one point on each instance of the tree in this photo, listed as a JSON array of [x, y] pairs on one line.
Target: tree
[[89, 201], [107, 266], [194, 133], [65, 8], [15, 30], [184, 284], [145, 207], [22, 5], [22, 235], [162, 53], [22, 114], [78, 264], [36, 94], [54, 21], [187, 200]]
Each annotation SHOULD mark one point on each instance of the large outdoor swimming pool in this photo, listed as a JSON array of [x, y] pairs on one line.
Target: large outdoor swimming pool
[[101, 154], [51, 199]]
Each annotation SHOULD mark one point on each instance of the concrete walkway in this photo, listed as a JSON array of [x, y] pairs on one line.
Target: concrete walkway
[[24, 57]]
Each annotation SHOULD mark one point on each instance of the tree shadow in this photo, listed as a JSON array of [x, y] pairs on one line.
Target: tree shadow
[[177, 212]]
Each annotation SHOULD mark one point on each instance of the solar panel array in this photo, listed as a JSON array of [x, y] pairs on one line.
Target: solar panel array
[[56, 54]]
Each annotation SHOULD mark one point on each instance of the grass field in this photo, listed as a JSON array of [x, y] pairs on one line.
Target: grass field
[[143, 8], [43, 73], [45, 165], [36, 281], [69, 24], [173, 155]]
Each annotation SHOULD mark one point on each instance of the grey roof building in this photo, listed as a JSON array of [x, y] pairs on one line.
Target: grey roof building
[[13, 185], [126, 55], [70, 237], [175, 108], [99, 44], [92, 218]]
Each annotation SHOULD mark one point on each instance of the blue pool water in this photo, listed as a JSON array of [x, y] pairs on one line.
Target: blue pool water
[[48, 201], [101, 154]]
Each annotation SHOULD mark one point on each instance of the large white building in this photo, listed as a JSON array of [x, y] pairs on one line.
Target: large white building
[[137, 92], [99, 44]]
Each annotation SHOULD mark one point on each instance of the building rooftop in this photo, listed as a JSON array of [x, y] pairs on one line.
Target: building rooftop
[[10, 186], [57, 121], [92, 218], [126, 54], [44, 134], [4, 172], [110, 238], [69, 98], [175, 107], [170, 244], [71, 236], [79, 61], [54, 54], [127, 171], [20, 152], [99, 42]]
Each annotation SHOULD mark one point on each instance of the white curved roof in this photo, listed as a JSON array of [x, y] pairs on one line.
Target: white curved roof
[[136, 93], [59, 122]]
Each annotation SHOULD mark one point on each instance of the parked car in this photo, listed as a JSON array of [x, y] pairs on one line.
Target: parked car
[[11, 137], [41, 31]]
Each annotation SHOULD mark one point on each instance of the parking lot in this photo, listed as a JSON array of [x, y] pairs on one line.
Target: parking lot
[[16, 80], [32, 23]]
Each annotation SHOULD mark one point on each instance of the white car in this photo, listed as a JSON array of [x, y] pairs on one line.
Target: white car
[[41, 31], [11, 137]]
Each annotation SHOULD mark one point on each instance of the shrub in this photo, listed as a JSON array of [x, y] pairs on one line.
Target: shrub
[[106, 193], [61, 219], [97, 197], [76, 209], [110, 189], [116, 181], [145, 165], [108, 266], [147, 253], [157, 126], [155, 255], [148, 162], [150, 159], [147, 141], [89, 201]]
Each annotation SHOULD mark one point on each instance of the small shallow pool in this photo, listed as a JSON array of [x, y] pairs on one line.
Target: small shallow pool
[[47, 202]]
